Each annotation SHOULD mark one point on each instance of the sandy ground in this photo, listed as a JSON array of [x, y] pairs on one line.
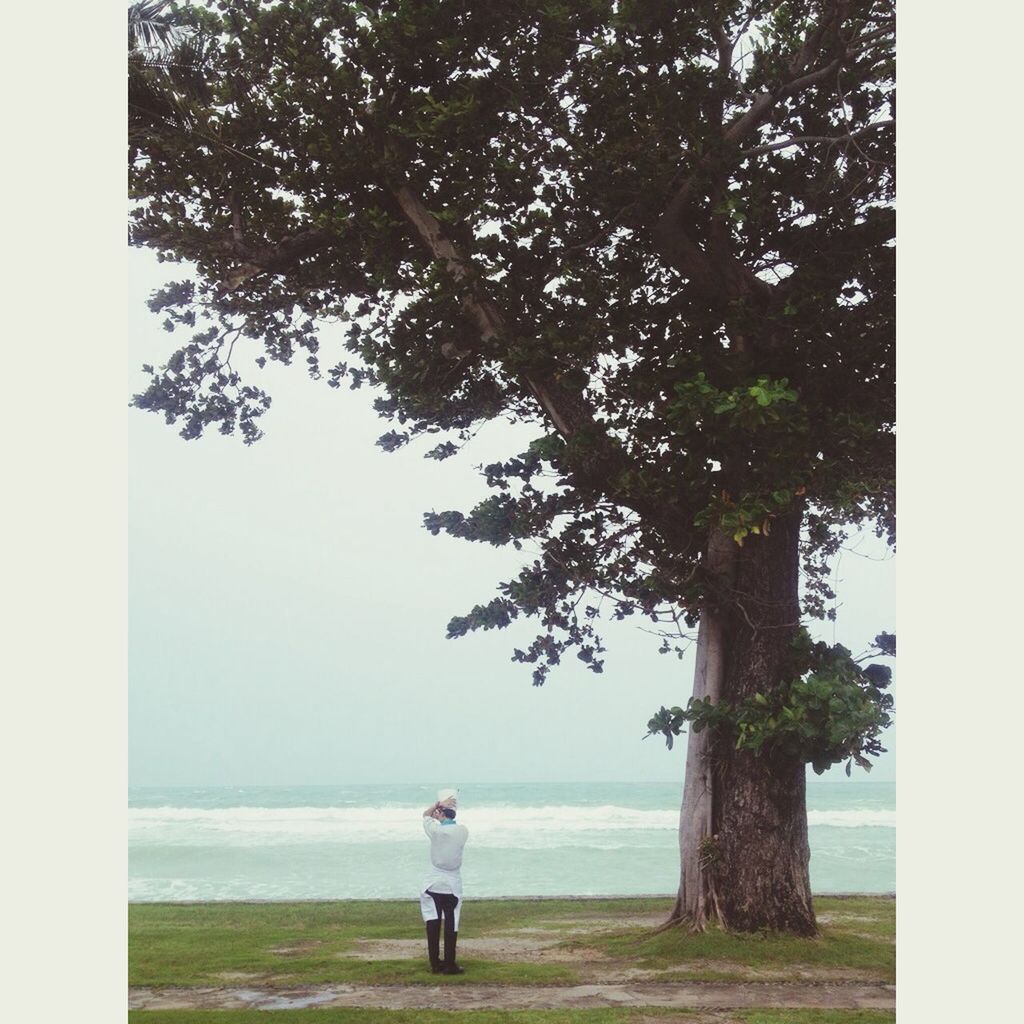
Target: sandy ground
[[692, 995], [508, 948]]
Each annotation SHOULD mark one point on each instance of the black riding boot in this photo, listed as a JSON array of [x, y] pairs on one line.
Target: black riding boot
[[450, 938], [434, 945]]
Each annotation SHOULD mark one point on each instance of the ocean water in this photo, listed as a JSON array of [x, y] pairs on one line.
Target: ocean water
[[526, 839]]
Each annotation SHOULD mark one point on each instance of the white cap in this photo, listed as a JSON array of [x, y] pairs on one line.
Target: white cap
[[448, 796]]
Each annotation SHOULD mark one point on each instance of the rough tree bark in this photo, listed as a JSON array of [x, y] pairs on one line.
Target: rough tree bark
[[696, 895], [743, 823]]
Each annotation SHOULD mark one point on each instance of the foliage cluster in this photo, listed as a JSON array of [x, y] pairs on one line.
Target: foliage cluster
[[834, 712]]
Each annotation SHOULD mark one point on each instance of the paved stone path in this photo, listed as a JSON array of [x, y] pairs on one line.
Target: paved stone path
[[462, 996]]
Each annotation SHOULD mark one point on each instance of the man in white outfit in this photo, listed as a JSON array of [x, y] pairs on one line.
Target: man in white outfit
[[441, 893]]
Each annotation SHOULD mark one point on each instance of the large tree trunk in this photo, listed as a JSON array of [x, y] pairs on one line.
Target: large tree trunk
[[743, 824], [695, 815]]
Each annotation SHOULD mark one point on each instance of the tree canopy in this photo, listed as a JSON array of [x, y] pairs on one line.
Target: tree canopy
[[661, 232]]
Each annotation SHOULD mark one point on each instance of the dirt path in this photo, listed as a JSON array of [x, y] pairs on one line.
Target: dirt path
[[592, 966], [459, 996]]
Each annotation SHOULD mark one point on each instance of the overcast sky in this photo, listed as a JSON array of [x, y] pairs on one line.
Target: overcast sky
[[287, 610]]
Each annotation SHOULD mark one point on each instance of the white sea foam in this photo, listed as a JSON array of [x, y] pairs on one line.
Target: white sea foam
[[870, 818], [490, 826], [524, 840], [522, 827]]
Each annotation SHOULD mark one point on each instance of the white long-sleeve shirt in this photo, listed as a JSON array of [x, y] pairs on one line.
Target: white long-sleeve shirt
[[446, 845]]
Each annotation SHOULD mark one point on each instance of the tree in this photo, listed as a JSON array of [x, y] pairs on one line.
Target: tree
[[167, 74], [661, 232]]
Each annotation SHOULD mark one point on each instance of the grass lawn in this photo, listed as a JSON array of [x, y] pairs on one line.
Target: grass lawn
[[520, 942], [857, 935]]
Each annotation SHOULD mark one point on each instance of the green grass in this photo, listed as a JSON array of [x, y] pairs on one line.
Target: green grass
[[609, 1016], [288, 944], [197, 944], [499, 916], [815, 1016], [858, 938]]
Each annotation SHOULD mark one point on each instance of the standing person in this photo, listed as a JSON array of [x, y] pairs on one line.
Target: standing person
[[441, 894]]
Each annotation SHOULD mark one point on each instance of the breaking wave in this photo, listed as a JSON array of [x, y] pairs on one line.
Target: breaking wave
[[523, 827]]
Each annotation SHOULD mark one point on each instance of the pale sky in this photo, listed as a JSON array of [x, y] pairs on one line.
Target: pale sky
[[287, 610]]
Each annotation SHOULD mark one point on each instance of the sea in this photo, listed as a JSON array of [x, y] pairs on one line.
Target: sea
[[525, 839]]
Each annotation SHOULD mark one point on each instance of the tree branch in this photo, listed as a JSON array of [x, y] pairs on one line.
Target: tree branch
[[568, 413], [748, 122], [602, 459], [606, 230], [725, 47], [797, 139], [236, 221], [717, 273], [274, 259]]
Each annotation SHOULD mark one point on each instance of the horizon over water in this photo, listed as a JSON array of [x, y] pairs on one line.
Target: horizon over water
[[526, 839]]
